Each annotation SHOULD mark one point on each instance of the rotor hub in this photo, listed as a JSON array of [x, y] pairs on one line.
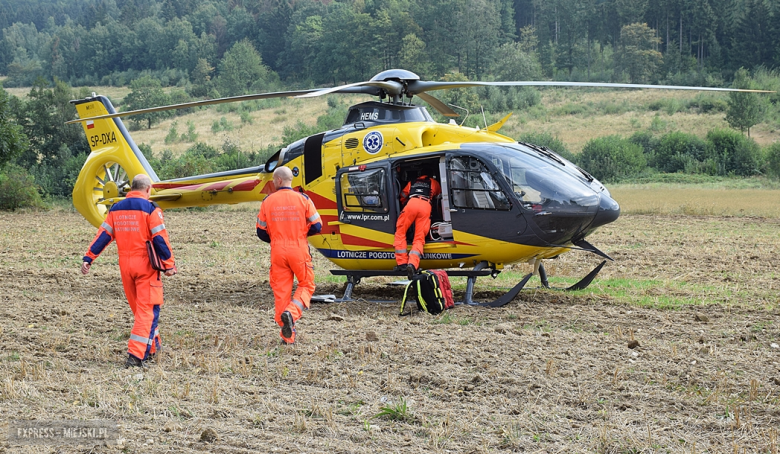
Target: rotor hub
[[400, 75], [110, 190]]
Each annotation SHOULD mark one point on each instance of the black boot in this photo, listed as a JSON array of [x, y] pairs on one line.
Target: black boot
[[132, 361], [400, 267], [288, 325], [410, 271]]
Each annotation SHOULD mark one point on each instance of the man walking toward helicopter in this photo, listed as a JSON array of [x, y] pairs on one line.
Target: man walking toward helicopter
[[417, 211], [286, 218], [136, 224]]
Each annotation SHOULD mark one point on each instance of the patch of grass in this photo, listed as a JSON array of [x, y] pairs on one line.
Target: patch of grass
[[657, 294], [351, 409], [444, 319], [760, 326], [396, 412]]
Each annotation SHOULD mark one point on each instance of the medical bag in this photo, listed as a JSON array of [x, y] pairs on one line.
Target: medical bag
[[431, 290]]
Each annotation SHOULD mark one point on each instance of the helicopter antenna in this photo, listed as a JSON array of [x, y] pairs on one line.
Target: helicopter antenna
[[483, 116], [461, 108]]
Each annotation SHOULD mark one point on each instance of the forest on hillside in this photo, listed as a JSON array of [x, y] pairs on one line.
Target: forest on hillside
[[303, 42]]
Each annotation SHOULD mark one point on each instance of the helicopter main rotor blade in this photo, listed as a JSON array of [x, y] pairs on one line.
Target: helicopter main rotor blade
[[390, 87], [419, 86], [438, 105], [206, 102]]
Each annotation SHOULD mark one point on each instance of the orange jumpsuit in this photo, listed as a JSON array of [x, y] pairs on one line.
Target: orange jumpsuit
[[131, 223], [286, 218], [418, 212]]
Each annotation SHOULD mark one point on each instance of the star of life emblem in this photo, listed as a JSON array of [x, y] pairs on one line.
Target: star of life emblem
[[372, 142]]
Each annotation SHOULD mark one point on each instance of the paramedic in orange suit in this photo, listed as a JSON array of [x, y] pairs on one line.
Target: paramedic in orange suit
[[417, 211], [131, 223], [286, 218]]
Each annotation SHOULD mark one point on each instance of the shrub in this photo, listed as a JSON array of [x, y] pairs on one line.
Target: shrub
[[203, 150], [18, 189], [679, 152], [612, 158], [657, 124], [291, 134], [733, 153], [773, 160], [222, 125], [202, 158], [190, 135], [173, 134], [185, 166], [647, 141], [709, 103]]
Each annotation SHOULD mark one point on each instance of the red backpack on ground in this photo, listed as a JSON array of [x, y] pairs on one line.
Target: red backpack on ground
[[446, 288], [431, 290]]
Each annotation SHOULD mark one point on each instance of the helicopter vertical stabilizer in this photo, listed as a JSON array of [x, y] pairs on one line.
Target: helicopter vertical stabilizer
[[114, 161]]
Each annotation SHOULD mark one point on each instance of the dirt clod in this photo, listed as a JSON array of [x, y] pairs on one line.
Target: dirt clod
[[633, 344], [371, 336], [208, 436], [699, 317]]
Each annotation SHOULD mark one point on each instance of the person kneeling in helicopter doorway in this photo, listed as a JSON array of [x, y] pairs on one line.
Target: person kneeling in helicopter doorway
[[417, 195], [286, 218]]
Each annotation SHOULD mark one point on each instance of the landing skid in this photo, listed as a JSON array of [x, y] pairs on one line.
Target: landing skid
[[508, 296], [355, 276], [582, 284]]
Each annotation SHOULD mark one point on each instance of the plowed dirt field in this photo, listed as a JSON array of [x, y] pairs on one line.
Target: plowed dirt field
[[674, 348]]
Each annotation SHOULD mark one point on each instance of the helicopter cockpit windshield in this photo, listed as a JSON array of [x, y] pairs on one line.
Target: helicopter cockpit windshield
[[541, 184]]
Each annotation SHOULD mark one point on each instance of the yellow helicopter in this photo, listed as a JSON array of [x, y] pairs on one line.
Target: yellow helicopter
[[502, 201]]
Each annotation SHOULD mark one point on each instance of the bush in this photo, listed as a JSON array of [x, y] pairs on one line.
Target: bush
[[773, 160], [173, 134], [680, 152], [292, 134], [202, 150], [202, 158], [733, 154], [190, 135], [612, 158], [18, 189], [709, 103], [648, 143], [505, 99]]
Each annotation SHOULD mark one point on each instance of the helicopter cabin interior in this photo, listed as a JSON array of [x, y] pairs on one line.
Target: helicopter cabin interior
[[369, 195]]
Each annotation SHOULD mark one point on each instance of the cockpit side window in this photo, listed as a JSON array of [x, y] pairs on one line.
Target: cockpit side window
[[364, 191], [473, 186]]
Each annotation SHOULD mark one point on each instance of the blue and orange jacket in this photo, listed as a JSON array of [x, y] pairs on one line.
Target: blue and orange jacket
[[287, 216], [132, 222]]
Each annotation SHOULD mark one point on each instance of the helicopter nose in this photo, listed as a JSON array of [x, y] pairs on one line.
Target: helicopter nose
[[608, 211]]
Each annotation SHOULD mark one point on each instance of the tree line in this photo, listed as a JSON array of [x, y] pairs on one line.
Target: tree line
[[305, 42]]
